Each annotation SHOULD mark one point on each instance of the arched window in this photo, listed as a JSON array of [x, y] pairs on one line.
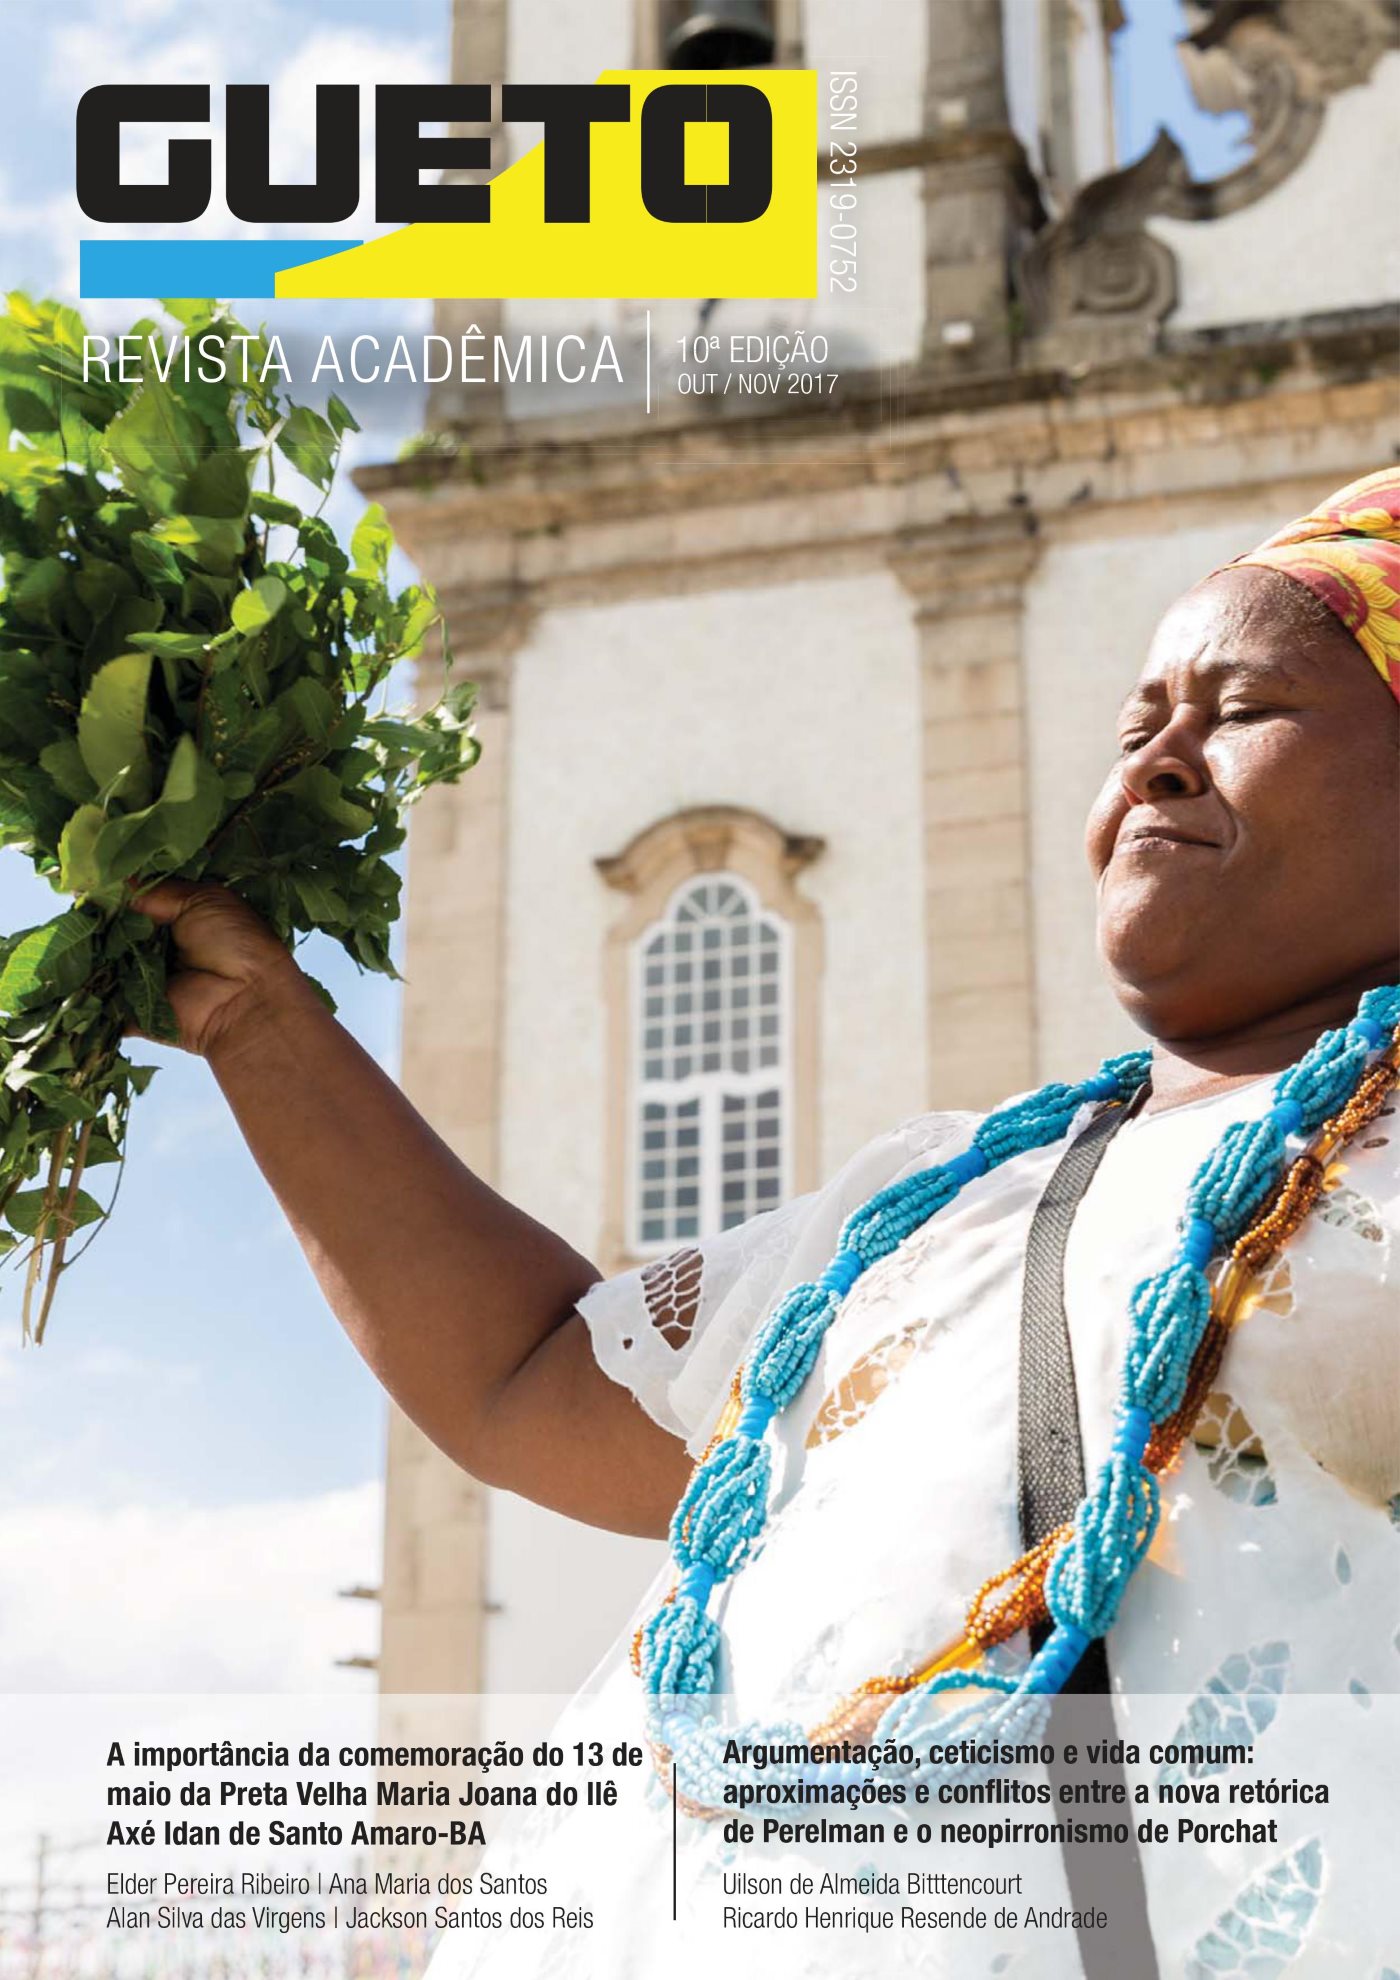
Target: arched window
[[712, 976], [712, 1049]]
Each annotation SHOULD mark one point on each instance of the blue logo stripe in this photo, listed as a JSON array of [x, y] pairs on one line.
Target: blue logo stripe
[[225, 269]]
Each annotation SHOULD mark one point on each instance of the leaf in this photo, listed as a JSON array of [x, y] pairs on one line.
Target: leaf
[[168, 834], [26, 1212], [400, 738], [156, 561], [68, 328], [190, 310], [423, 613], [322, 903], [39, 591], [371, 543], [314, 708], [49, 962], [113, 634], [214, 542], [259, 605], [143, 980], [111, 728], [323, 993], [219, 485], [274, 509], [79, 869], [63, 761], [172, 645], [309, 444], [30, 412], [32, 813], [155, 445], [320, 791], [23, 310], [28, 719], [57, 1096], [341, 418]]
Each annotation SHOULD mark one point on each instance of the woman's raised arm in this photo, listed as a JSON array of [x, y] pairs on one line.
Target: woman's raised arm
[[463, 1306]]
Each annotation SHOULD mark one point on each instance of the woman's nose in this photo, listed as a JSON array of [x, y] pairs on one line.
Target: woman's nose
[[1166, 766]]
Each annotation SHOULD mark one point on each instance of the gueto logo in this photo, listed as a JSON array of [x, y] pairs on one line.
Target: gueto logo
[[640, 186]]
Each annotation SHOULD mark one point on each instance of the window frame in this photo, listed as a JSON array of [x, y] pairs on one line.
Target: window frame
[[710, 1089], [650, 871]]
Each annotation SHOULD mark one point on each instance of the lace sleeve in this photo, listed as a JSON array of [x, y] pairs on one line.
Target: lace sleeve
[[673, 1331]]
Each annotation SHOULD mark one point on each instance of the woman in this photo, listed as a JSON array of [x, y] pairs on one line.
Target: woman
[[1248, 879]]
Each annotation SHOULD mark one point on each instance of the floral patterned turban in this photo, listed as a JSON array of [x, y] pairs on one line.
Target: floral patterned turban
[[1347, 552]]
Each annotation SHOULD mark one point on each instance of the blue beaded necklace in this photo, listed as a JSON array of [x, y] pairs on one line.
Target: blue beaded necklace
[[725, 1506]]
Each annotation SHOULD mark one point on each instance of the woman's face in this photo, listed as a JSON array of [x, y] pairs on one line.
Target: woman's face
[[1245, 844]]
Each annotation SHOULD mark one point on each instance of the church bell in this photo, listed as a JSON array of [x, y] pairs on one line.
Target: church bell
[[721, 34]]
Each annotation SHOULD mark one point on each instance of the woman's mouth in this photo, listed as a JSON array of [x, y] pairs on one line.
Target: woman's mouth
[[1161, 838]]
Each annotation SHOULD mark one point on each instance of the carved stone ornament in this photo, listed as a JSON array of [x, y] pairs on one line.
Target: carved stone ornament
[[708, 839], [1096, 283], [1278, 61]]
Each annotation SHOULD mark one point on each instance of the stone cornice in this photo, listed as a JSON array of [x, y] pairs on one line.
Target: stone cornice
[[540, 476], [538, 519]]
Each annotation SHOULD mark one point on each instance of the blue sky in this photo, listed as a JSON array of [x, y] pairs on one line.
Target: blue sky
[[194, 1454]]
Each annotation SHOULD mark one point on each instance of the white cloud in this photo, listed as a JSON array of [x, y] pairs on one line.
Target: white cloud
[[161, 1598]]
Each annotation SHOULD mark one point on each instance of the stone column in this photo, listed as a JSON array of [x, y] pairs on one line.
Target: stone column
[[967, 578], [434, 1514], [480, 45], [975, 189]]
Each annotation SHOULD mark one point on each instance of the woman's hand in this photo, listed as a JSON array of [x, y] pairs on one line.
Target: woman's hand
[[231, 970]]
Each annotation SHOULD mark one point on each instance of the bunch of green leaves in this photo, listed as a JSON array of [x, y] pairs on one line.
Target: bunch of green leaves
[[193, 675]]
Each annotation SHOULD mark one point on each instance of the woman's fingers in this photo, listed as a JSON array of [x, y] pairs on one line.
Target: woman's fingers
[[165, 901]]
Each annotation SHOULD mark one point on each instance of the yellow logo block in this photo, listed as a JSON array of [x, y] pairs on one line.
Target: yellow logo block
[[623, 249]]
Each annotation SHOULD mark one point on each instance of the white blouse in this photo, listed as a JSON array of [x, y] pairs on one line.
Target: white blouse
[[1267, 1610]]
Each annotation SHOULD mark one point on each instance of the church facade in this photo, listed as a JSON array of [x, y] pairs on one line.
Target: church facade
[[791, 713]]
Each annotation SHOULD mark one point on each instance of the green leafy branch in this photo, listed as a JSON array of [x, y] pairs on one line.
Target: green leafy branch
[[189, 671]]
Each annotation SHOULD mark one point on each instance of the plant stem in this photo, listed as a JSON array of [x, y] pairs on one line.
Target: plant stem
[[65, 1220], [57, 1157]]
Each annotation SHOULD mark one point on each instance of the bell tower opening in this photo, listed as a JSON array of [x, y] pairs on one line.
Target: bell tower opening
[[720, 34]]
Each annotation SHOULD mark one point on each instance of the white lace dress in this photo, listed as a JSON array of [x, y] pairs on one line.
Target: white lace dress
[[1266, 1614]]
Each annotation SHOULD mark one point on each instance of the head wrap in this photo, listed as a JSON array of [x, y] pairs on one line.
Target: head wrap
[[1347, 552]]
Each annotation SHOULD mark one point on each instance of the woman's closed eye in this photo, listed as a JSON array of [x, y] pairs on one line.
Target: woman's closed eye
[[1251, 711]]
